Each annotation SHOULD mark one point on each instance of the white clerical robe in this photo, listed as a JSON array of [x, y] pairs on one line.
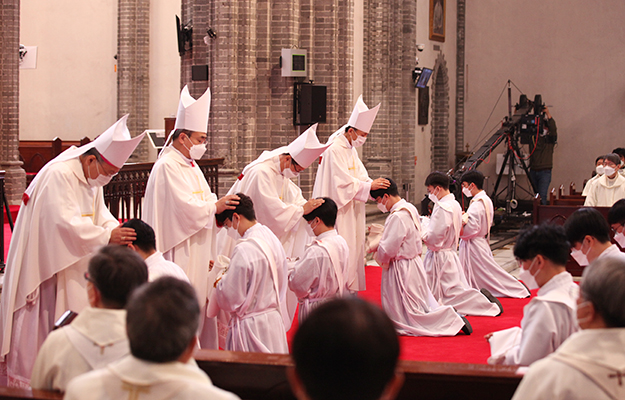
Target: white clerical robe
[[446, 277], [62, 224], [406, 297], [320, 274], [158, 267], [277, 203], [480, 267], [94, 339], [589, 184], [590, 364], [132, 378], [180, 207], [612, 251], [604, 192], [548, 319], [343, 178], [258, 314]]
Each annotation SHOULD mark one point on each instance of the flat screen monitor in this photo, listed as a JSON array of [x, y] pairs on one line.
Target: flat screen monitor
[[424, 78]]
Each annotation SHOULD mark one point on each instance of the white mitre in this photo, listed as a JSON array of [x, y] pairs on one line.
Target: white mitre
[[362, 117], [115, 145], [193, 114], [306, 148]]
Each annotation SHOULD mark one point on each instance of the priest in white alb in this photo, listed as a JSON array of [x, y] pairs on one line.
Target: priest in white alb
[[549, 318], [406, 297], [62, 221], [253, 290], [446, 277], [278, 201], [610, 187], [320, 274], [180, 206], [480, 268], [343, 178]]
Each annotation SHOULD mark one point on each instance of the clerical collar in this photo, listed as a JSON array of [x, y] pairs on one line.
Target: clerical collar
[[188, 160]]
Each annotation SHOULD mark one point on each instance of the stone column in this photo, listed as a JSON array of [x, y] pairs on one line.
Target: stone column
[[15, 177], [133, 51], [460, 25]]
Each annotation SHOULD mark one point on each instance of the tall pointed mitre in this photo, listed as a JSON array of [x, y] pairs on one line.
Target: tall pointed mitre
[[193, 114], [115, 145], [362, 117], [306, 148]]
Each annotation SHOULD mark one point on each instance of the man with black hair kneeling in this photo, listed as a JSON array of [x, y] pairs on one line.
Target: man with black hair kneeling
[[549, 318], [97, 336], [406, 297], [320, 274], [347, 349], [253, 290], [162, 323]]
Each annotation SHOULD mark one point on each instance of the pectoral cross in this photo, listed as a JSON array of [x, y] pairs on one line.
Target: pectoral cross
[[133, 391], [618, 375]]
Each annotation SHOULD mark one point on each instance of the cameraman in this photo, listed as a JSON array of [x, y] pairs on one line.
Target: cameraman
[[541, 160]]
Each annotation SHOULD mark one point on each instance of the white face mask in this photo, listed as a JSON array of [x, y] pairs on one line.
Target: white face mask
[[359, 141], [101, 179], [311, 229], [196, 151], [584, 320], [528, 278], [619, 237], [433, 197], [233, 231], [467, 192], [288, 173], [608, 171], [382, 206], [580, 256], [600, 170]]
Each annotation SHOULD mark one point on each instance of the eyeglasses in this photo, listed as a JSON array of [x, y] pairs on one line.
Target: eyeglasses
[[88, 278]]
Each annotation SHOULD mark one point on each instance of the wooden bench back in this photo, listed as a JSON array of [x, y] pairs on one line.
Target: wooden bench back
[[36, 153]]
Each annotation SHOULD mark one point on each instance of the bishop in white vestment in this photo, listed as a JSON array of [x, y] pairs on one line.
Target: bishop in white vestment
[[180, 206], [343, 178], [62, 221]]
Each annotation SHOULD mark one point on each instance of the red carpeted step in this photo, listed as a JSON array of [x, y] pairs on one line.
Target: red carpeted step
[[461, 348]]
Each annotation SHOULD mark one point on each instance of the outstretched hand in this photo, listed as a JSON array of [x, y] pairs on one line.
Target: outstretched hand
[[380, 183], [228, 202], [311, 205], [122, 236]]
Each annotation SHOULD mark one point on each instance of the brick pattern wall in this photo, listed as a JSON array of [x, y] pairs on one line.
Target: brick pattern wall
[[15, 177], [133, 53], [460, 32], [389, 54], [440, 116], [252, 104]]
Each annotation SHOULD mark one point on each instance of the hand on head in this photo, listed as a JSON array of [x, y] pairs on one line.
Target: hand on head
[[228, 202], [122, 236]]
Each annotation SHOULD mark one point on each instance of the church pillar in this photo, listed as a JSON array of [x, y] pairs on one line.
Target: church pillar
[[133, 53], [15, 177]]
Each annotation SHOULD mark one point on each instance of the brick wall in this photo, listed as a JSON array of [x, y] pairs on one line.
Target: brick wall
[[15, 177], [252, 104], [133, 53], [440, 116]]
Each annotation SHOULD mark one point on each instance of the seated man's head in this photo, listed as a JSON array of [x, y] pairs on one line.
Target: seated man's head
[[322, 218], [437, 184], [616, 219], [386, 198], [602, 295], [346, 349], [239, 219], [611, 165], [620, 151], [162, 321], [113, 274], [472, 182], [542, 252], [145, 243], [589, 234], [599, 165]]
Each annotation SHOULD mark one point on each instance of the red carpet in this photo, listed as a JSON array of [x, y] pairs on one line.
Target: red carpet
[[461, 348]]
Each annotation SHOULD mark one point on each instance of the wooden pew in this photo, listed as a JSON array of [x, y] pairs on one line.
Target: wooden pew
[[36, 153], [262, 376], [558, 214], [124, 194], [7, 393]]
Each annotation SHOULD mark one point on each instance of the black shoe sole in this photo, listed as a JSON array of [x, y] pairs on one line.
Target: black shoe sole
[[492, 299], [467, 329]]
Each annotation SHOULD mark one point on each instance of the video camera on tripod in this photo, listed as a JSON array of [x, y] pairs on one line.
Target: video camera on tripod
[[532, 125]]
